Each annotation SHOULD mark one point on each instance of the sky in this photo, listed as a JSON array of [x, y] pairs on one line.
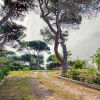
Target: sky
[[82, 42]]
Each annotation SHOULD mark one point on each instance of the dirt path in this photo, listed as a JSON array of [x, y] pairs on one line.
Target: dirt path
[[81, 92], [42, 86], [38, 90]]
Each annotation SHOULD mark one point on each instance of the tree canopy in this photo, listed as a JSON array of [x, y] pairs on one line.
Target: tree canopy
[[11, 32], [59, 15], [6, 53], [96, 58]]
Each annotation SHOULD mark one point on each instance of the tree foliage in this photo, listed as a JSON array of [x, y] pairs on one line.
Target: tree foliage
[[96, 58], [38, 46], [7, 53], [52, 59], [59, 15], [11, 32], [35, 49], [19, 7]]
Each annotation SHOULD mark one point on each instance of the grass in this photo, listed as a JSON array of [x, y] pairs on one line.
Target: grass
[[15, 73], [16, 88], [50, 73], [59, 92], [55, 74]]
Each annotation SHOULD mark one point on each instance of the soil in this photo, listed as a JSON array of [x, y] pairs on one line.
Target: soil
[[79, 91], [36, 90]]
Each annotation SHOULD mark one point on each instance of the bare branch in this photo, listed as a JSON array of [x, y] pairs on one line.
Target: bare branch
[[8, 14], [45, 18]]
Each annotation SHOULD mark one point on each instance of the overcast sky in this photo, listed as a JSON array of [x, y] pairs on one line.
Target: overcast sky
[[82, 42]]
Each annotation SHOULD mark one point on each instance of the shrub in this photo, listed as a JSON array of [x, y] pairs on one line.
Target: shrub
[[78, 64], [41, 68], [83, 76], [52, 66], [91, 71], [16, 65], [26, 69], [67, 74], [97, 79], [1, 75], [91, 76], [71, 63], [33, 68], [75, 74], [3, 72]]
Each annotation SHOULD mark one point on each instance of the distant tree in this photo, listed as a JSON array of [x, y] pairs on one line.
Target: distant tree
[[53, 59], [79, 64], [6, 53], [36, 48], [52, 62], [15, 58], [26, 57], [37, 62]]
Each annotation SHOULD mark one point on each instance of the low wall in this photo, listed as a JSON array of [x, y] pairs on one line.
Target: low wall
[[93, 86]]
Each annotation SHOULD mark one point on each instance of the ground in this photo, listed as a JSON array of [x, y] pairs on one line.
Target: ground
[[44, 85]]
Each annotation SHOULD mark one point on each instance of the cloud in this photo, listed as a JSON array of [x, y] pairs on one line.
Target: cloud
[[33, 23], [82, 42], [85, 40]]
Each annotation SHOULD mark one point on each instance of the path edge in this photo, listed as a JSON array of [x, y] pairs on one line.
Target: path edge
[[93, 86]]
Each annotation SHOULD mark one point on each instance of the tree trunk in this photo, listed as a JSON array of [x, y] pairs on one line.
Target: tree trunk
[[64, 69], [57, 34], [9, 14], [64, 64], [63, 60], [37, 64]]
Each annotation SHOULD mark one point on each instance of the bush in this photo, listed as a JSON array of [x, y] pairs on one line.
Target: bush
[[91, 71], [3, 72], [83, 76], [67, 74], [26, 69], [97, 79], [41, 68], [33, 68], [1, 75], [75, 74], [52, 66], [91, 76], [78, 64], [71, 63], [16, 65]]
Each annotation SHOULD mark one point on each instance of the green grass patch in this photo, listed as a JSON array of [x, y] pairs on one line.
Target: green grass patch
[[51, 74], [16, 88]]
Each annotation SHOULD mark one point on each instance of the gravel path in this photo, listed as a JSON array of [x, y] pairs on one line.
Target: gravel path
[[40, 91], [81, 92]]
